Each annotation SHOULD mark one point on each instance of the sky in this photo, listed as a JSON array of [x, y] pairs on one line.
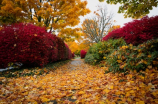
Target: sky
[[120, 20]]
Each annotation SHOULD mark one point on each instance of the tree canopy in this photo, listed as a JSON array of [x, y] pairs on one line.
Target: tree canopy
[[53, 14], [134, 8]]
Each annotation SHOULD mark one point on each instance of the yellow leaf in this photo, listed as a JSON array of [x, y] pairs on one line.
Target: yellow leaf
[[111, 87], [106, 90], [118, 93], [43, 99], [131, 91], [129, 100], [73, 97], [155, 93], [81, 92], [118, 56], [127, 94], [149, 67], [107, 101], [149, 56], [145, 62], [101, 102], [52, 98], [119, 61], [34, 102], [128, 83], [139, 50], [127, 89], [122, 66], [140, 102], [156, 101], [113, 102], [14, 45]]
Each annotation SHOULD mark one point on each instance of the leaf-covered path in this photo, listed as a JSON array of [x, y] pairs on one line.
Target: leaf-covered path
[[77, 82]]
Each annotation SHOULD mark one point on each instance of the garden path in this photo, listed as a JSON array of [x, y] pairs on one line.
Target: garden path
[[76, 64], [80, 83]]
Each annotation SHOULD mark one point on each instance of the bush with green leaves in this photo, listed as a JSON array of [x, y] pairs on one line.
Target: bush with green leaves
[[101, 50], [90, 59], [129, 57]]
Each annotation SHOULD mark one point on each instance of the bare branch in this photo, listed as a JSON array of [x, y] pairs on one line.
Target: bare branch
[[96, 27]]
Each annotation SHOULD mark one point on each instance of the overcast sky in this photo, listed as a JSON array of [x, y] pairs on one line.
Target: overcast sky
[[120, 20]]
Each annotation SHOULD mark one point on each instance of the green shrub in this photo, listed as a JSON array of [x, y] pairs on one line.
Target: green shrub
[[101, 50], [90, 59], [131, 57]]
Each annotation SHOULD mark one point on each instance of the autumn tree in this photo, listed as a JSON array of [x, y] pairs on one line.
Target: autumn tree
[[134, 8], [78, 45], [53, 14], [96, 28], [70, 34]]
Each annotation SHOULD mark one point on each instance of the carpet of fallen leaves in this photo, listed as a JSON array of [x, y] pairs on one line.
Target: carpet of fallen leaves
[[84, 84]]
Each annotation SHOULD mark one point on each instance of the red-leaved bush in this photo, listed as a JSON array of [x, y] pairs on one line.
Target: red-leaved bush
[[73, 55], [115, 34], [61, 49], [137, 31], [68, 52], [30, 45], [83, 53]]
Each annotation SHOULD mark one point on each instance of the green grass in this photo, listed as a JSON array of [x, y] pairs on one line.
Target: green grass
[[77, 57], [31, 71]]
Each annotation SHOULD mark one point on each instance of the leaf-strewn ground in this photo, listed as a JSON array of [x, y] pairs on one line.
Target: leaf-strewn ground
[[76, 82]]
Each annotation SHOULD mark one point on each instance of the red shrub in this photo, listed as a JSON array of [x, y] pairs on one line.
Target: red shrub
[[30, 45], [73, 55], [23, 43], [137, 31], [115, 34], [83, 53], [52, 40], [68, 53], [61, 49]]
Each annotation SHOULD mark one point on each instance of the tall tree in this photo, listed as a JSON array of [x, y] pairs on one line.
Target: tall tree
[[53, 14], [97, 27], [134, 8]]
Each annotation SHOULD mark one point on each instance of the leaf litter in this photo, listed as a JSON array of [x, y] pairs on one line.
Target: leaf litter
[[86, 84]]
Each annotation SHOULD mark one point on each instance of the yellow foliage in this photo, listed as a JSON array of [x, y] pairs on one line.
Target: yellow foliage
[[55, 15], [113, 28]]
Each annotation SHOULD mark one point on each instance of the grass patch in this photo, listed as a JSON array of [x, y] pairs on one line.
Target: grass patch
[[30, 71], [78, 57]]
